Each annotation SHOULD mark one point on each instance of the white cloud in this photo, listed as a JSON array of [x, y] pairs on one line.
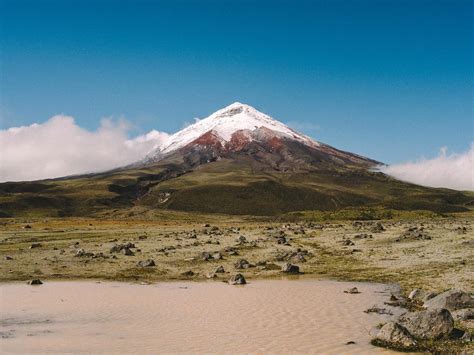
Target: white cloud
[[454, 171], [59, 147]]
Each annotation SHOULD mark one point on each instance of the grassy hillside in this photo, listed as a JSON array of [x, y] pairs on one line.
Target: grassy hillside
[[237, 186]]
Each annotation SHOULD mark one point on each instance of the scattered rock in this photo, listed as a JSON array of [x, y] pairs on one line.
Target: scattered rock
[[117, 248], [219, 270], [375, 309], [413, 233], [290, 268], [146, 263], [217, 256], [206, 256], [377, 228], [429, 324], [127, 252], [352, 290], [241, 240], [242, 264], [237, 279], [82, 252], [35, 282], [451, 300], [395, 336]]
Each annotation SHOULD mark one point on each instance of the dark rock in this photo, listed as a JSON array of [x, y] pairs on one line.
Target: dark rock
[[219, 270], [35, 245], [241, 240], [188, 273], [429, 324], [8, 258], [290, 268], [35, 282], [237, 279], [127, 252]]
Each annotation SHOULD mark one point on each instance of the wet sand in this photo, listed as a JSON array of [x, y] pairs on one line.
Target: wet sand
[[277, 316]]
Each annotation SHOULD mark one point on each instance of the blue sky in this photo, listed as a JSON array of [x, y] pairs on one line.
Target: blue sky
[[392, 80]]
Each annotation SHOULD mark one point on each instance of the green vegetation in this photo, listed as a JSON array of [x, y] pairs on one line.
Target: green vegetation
[[233, 187]]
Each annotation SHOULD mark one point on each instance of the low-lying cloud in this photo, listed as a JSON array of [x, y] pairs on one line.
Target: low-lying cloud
[[454, 171], [59, 147]]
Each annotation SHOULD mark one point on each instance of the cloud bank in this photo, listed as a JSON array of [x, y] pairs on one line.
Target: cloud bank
[[59, 147], [454, 171]]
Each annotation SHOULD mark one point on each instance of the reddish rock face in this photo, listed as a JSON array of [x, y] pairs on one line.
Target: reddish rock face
[[209, 139], [238, 141], [269, 148], [275, 143]]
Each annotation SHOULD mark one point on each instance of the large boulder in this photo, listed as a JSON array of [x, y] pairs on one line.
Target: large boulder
[[429, 324], [395, 336], [451, 300]]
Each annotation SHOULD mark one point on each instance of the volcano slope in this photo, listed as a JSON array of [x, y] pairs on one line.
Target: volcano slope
[[236, 161], [230, 185]]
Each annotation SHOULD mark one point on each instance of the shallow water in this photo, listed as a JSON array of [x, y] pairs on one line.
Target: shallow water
[[278, 316]]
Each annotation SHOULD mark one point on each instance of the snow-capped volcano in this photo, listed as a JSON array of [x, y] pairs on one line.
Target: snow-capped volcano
[[225, 123], [239, 131]]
